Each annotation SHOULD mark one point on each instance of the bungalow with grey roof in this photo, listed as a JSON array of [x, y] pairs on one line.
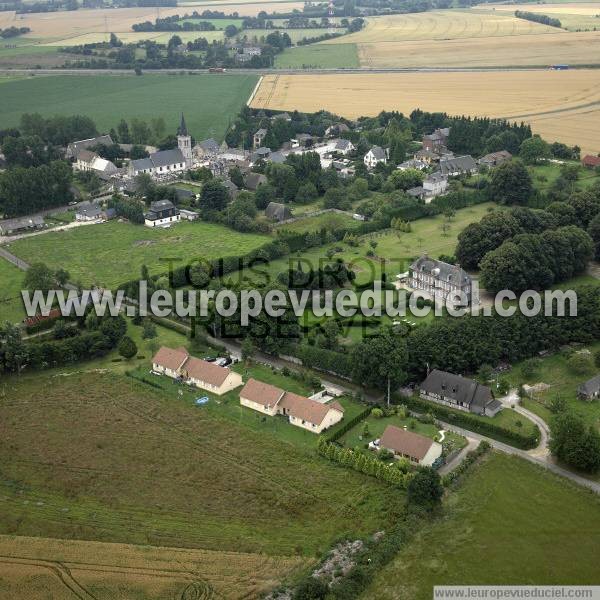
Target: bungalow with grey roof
[[495, 159], [22, 225], [460, 393]]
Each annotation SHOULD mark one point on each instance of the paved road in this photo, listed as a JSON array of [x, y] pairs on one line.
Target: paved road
[[362, 70]]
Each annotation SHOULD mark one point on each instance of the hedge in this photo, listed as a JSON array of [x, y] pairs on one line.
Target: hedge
[[323, 360], [470, 422], [369, 465], [338, 433]]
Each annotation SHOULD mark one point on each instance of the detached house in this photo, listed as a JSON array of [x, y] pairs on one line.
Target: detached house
[[259, 136], [460, 393], [300, 411], [161, 213], [178, 364], [591, 161], [374, 156], [495, 159], [436, 141], [418, 449]]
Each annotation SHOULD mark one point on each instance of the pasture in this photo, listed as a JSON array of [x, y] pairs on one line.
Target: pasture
[[559, 105], [332, 56], [112, 253], [531, 526], [208, 101], [11, 306], [39, 567], [102, 457]]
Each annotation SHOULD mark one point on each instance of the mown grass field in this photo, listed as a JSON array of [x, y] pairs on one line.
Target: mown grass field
[[112, 253], [36, 568], [324, 56], [508, 523], [98, 456], [559, 105], [208, 101], [11, 306]]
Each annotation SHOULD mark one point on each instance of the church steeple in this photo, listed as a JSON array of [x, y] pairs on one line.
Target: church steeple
[[182, 127]]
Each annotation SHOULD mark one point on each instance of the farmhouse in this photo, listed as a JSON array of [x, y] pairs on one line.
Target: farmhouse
[[74, 148], [178, 364], [418, 449], [259, 136], [436, 141], [90, 161], [161, 213], [300, 411], [459, 165], [439, 279], [591, 161], [460, 393], [15, 226], [495, 159], [374, 156], [590, 390]]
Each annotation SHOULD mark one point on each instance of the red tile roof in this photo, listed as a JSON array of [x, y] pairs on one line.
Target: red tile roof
[[170, 358], [405, 442], [261, 393], [591, 161], [207, 372]]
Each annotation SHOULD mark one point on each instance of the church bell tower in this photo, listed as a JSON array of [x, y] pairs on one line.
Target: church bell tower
[[184, 142]]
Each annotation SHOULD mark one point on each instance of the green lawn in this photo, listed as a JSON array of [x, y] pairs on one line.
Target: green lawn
[[329, 221], [209, 101], [509, 523], [11, 306], [355, 438], [112, 253], [554, 371], [333, 56], [394, 250]]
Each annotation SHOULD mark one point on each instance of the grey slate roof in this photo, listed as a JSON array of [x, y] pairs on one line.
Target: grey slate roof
[[162, 158], [416, 192], [342, 144], [441, 270], [91, 210], [161, 205], [22, 223], [254, 180], [277, 157], [590, 387], [209, 145], [277, 211], [378, 152], [262, 131], [75, 147], [435, 177], [471, 393], [463, 164]]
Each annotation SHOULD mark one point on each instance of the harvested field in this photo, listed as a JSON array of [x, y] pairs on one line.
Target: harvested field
[[161, 37], [522, 50], [574, 8], [59, 25], [443, 25], [561, 105], [77, 569]]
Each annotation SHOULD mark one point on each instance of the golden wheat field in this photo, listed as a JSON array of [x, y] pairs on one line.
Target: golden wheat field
[[561, 105], [573, 8], [70, 570], [442, 25]]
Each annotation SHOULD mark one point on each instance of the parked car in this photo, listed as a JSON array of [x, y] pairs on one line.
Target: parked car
[[223, 361], [209, 359]]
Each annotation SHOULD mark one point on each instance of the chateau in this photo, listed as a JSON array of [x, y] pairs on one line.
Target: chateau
[[438, 278]]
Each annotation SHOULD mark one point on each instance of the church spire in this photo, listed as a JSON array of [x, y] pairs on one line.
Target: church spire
[[182, 127]]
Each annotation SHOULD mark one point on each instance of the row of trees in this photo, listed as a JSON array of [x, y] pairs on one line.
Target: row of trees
[[538, 18]]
